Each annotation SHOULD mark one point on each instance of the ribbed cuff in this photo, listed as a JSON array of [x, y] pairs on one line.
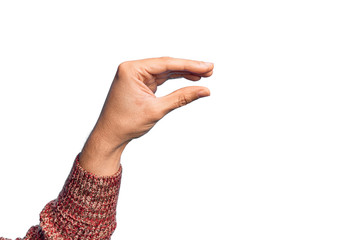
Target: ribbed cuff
[[85, 207]]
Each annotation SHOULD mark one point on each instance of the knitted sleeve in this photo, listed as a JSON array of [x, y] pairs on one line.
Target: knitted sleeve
[[84, 209]]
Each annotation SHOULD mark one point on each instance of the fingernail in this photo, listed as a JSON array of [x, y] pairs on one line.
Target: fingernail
[[209, 64], [203, 93]]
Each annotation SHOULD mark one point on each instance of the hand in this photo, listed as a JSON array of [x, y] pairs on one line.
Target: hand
[[131, 108]]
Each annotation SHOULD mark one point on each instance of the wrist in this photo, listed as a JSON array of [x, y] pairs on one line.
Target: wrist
[[101, 157]]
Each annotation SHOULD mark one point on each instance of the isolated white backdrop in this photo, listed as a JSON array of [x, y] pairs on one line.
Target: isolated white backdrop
[[273, 153]]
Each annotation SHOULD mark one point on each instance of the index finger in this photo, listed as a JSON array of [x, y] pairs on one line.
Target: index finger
[[169, 64]]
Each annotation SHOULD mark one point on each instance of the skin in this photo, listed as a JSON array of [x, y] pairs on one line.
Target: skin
[[131, 108]]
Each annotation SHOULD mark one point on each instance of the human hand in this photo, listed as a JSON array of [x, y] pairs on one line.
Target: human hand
[[131, 108]]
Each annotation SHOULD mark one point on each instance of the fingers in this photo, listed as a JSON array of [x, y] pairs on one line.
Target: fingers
[[181, 97], [192, 77], [171, 75], [167, 64], [188, 76], [161, 78]]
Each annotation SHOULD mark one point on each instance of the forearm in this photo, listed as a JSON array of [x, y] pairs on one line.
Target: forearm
[[86, 206], [84, 209]]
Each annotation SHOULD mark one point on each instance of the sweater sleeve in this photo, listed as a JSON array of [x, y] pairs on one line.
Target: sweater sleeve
[[84, 209]]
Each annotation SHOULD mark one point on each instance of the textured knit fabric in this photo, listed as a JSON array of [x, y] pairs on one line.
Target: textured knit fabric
[[84, 209]]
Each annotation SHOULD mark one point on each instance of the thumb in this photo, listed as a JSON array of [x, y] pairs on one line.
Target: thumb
[[181, 97]]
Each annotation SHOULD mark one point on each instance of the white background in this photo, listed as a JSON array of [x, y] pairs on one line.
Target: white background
[[273, 153]]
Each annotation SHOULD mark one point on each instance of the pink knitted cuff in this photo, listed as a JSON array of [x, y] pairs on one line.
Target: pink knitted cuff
[[85, 208]]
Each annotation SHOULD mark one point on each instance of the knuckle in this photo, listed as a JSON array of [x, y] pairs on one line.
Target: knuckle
[[123, 67], [182, 101], [166, 58]]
